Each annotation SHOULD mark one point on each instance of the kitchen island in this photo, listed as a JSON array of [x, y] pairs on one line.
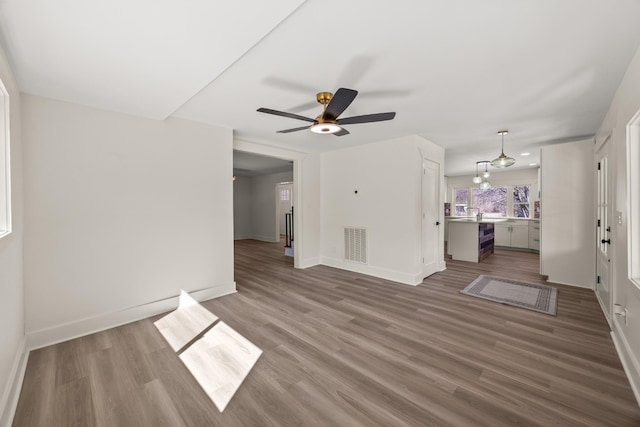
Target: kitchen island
[[471, 239]]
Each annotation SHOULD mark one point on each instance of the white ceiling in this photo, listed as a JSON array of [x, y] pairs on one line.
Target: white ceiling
[[248, 164], [455, 71]]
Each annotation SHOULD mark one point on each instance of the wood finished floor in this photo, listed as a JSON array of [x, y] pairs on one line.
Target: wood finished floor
[[342, 349]]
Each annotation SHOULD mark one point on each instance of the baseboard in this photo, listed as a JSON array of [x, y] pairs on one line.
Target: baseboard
[[309, 262], [268, 239], [383, 273], [90, 325], [551, 281], [11, 393], [629, 362], [242, 237]]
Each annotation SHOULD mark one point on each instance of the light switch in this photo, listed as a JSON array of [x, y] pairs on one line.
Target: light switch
[[619, 217]]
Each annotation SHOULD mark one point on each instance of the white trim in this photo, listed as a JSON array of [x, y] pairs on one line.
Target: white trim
[[309, 262], [78, 328], [633, 200], [383, 273], [5, 192], [243, 237], [630, 364], [11, 394], [296, 157], [551, 281], [268, 239]]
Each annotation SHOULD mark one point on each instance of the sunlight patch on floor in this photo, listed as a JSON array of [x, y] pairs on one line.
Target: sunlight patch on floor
[[219, 360], [183, 325]]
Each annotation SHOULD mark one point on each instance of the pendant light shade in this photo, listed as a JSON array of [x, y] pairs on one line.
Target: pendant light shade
[[476, 179], [484, 183], [502, 161], [486, 173]]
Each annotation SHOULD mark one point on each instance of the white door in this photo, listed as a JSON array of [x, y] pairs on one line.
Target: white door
[[431, 217], [603, 229], [285, 196]]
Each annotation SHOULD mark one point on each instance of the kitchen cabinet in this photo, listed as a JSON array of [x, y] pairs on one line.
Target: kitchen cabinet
[[512, 233], [471, 240], [534, 235]]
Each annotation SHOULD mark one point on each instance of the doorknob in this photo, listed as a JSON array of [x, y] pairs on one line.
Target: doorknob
[[437, 222], [606, 241]]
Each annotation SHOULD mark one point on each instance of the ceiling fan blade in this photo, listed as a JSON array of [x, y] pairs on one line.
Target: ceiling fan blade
[[367, 118], [342, 132], [284, 114], [339, 102], [293, 129]]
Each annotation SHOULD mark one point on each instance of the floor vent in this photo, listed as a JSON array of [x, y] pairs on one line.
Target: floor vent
[[355, 244]]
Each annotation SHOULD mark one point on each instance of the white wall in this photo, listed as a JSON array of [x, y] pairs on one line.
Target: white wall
[[242, 226], [567, 235], [12, 349], [254, 206], [388, 178], [263, 205], [121, 212], [626, 337], [308, 236]]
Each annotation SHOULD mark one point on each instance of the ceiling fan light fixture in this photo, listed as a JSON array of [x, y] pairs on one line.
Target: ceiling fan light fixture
[[325, 128], [503, 161]]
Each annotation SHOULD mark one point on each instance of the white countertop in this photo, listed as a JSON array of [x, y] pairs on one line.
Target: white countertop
[[482, 221], [491, 220]]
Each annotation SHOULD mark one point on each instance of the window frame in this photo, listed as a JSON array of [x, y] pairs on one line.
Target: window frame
[[454, 205], [510, 202], [5, 164], [633, 199]]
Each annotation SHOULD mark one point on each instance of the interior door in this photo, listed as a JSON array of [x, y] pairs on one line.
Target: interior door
[[431, 218], [603, 229]]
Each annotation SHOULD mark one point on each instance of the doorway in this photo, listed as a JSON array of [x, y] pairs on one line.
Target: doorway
[[284, 196], [275, 166]]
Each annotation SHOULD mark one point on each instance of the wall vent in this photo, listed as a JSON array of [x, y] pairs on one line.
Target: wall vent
[[355, 244]]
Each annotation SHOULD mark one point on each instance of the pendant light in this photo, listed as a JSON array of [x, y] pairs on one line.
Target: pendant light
[[486, 173], [485, 184], [503, 161], [477, 179]]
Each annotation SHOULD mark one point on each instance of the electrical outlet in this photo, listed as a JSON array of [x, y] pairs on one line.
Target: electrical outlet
[[619, 217]]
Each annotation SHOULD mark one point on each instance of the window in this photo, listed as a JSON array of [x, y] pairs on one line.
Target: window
[[461, 196], [492, 202], [5, 173], [633, 198], [521, 201]]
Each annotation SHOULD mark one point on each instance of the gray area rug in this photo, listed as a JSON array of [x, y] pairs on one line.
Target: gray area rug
[[519, 294]]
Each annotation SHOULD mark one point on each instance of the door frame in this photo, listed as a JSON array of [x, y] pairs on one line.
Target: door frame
[[296, 158], [603, 146], [441, 265]]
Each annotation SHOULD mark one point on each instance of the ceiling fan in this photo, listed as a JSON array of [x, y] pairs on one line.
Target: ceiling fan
[[328, 122]]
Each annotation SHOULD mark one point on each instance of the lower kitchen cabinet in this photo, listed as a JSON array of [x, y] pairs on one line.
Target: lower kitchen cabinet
[[513, 233]]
